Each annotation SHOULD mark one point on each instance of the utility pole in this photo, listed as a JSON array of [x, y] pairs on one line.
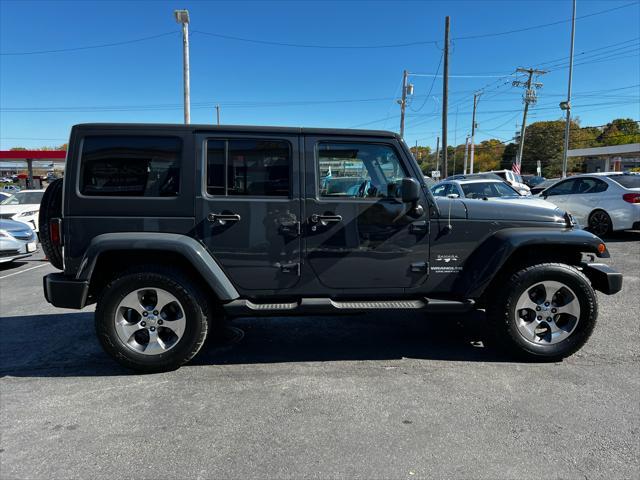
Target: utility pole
[[437, 154], [530, 97], [218, 113], [182, 17], [466, 151], [567, 105], [403, 101], [473, 127], [445, 96]]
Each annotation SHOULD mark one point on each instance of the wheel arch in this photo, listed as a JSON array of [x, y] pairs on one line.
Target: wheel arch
[[111, 253], [599, 209], [509, 249]]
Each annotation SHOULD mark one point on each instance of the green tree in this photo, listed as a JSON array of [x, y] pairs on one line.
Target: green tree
[[620, 132]]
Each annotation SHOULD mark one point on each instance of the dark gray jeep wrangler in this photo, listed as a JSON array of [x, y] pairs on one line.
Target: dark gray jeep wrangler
[[171, 228]]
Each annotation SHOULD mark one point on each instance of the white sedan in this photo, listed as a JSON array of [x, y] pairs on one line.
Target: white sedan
[[23, 207], [603, 202]]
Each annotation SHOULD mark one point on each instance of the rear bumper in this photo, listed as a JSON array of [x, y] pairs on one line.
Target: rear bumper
[[603, 278], [65, 292]]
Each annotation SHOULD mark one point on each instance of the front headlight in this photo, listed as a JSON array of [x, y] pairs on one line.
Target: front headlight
[[29, 213]]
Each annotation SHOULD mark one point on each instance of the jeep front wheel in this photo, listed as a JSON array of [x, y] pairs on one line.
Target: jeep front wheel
[[548, 312], [152, 320]]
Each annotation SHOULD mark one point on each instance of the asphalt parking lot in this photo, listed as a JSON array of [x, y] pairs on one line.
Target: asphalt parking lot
[[375, 396]]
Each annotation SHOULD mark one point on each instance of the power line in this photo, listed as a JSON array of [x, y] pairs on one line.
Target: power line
[[316, 46], [304, 45], [433, 82], [90, 47], [544, 25]]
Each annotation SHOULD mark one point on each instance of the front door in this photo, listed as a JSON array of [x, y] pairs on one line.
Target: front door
[[359, 234], [248, 214]]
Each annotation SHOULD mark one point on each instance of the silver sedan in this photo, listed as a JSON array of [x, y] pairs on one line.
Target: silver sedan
[[17, 240]]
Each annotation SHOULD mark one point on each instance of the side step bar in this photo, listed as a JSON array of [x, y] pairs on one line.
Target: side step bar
[[328, 306]]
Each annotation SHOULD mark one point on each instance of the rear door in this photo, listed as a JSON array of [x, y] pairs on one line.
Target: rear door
[[248, 210], [360, 235], [588, 194]]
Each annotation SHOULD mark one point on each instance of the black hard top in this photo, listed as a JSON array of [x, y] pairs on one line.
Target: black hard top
[[196, 128]]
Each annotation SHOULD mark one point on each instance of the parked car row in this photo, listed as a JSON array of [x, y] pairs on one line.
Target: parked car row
[[600, 202], [23, 207]]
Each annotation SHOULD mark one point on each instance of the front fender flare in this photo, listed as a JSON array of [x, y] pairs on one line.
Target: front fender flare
[[193, 251], [491, 255]]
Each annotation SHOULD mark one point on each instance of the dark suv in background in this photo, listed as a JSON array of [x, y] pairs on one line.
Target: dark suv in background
[[172, 228]]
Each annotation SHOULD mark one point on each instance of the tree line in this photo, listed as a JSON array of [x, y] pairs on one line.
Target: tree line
[[543, 142]]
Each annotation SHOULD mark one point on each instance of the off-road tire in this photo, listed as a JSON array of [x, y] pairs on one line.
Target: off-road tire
[[181, 286], [51, 207], [502, 315]]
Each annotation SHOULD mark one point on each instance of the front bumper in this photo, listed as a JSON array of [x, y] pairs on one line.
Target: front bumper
[[65, 292], [603, 278]]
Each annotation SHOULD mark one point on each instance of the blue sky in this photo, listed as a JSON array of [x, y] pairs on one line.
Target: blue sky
[[43, 95]]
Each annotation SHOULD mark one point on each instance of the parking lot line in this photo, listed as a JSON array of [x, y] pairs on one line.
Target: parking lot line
[[25, 270]]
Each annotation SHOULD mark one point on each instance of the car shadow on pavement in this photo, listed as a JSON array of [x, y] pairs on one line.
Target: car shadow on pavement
[[623, 236], [65, 345]]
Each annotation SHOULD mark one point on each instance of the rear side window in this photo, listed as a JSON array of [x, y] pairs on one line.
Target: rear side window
[[130, 166], [257, 168], [627, 181], [590, 185]]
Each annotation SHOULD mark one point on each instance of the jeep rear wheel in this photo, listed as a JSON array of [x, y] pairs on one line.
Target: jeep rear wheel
[[152, 320], [548, 312]]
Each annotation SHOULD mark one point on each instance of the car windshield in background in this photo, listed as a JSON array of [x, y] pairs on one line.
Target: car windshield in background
[[24, 198], [488, 190], [475, 176], [627, 181]]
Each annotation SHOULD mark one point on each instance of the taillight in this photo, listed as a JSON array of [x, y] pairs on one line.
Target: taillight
[[54, 231], [631, 197]]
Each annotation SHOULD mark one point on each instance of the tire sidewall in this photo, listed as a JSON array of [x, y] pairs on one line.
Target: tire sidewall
[[195, 328], [609, 223], [573, 279]]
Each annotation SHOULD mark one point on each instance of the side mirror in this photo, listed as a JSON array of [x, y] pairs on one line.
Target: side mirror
[[410, 189]]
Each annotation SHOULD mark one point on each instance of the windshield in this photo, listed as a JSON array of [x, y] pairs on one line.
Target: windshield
[[23, 198], [518, 178], [488, 190], [627, 181]]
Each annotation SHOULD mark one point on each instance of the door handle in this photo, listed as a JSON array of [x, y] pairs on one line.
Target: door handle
[[325, 219], [223, 218]]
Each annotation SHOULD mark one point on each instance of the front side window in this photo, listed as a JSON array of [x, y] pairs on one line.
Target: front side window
[[130, 166], [440, 190], [358, 170], [249, 168], [562, 188]]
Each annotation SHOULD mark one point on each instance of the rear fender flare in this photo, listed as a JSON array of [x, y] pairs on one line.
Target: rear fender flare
[[193, 251]]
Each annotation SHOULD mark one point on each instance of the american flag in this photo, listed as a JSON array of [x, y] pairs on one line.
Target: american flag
[[515, 168]]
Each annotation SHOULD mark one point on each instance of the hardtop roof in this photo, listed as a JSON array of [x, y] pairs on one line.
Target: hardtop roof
[[206, 128]]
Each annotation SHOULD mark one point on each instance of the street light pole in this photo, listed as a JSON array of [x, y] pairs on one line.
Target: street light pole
[[182, 17], [567, 127]]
